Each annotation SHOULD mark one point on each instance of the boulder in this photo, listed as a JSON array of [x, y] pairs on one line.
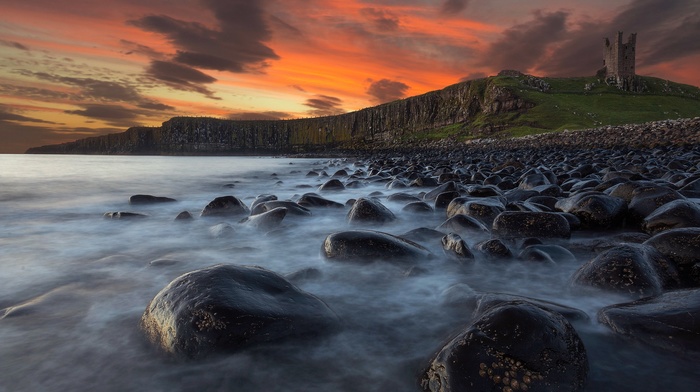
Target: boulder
[[494, 249], [225, 308], [455, 247], [226, 206], [267, 220], [463, 225], [418, 207], [514, 345], [676, 214], [292, 208], [331, 185], [646, 200], [369, 211], [486, 301], [638, 270], [682, 247], [121, 215], [519, 224], [149, 199], [669, 320], [367, 246], [485, 209], [312, 200], [595, 210]]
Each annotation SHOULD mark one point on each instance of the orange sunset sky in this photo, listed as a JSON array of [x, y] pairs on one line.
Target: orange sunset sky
[[81, 68]]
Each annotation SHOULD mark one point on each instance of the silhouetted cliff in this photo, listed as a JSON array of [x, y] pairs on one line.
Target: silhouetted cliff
[[395, 121]]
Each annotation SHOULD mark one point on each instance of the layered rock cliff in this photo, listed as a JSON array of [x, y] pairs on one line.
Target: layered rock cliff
[[394, 121]]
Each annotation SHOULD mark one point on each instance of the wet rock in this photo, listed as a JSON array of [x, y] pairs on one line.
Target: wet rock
[[533, 180], [312, 200], [638, 270], [225, 206], [646, 200], [489, 300], [423, 235], [418, 207], [184, 216], [682, 247], [292, 208], [124, 215], [446, 187], [305, 274], [595, 210], [367, 246], [369, 211], [668, 321], [494, 249], [535, 255], [332, 185], [484, 209], [221, 230], [260, 199], [557, 253], [267, 220], [463, 225], [402, 198], [516, 224], [443, 200], [676, 214], [149, 199], [225, 308], [455, 247], [511, 345]]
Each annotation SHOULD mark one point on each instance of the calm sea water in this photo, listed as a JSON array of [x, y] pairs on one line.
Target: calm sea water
[[74, 285]]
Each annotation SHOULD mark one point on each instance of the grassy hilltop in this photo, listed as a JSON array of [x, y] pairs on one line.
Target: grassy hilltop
[[569, 104]]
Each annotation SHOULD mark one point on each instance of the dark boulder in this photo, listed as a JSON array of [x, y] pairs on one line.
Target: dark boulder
[[489, 300], [513, 345], [312, 200], [463, 225], [267, 220], [225, 308], [367, 246], [669, 321], [485, 209], [184, 216], [676, 214], [516, 224], [639, 270], [682, 247], [402, 197], [226, 206], [369, 211], [292, 208], [222, 230], [442, 201], [446, 187], [418, 207], [494, 249], [595, 210], [148, 199], [455, 247], [331, 185], [646, 200]]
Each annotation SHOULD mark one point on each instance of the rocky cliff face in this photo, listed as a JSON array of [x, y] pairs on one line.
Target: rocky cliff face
[[459, 103]]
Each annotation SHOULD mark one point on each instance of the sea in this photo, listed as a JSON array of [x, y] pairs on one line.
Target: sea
[[73, 284]]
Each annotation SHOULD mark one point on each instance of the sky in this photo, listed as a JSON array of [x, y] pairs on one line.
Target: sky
[[82, 68]]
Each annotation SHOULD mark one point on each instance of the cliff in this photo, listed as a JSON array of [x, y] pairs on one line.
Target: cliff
[[395, 121], [511, 104]]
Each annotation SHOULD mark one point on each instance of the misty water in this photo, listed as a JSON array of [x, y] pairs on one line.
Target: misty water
[[74, 285]]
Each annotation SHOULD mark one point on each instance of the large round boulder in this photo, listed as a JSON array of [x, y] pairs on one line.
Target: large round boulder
[[367, 246], [595, 210], [369, 211], [267, 220], [485, 209], [669, 321], [312, 200], [454, 247], [514, 345], [638, 270], [149, 199], [225, 308], [646, 200], [522, 224], [676, 214], [682, 247], [226, 206]]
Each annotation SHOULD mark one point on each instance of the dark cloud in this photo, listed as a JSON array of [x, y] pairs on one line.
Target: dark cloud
[[267, 115], [136, 48], [181, 77], [114, 115], [450, 7], [522, 46], [13, 44], [323, 105], [235, 45], [7, 114], [32, 92], [298, 87], [553, 45], [386, 90], [381, 19]]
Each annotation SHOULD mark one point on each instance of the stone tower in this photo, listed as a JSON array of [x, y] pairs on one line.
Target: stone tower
[[619, 60]]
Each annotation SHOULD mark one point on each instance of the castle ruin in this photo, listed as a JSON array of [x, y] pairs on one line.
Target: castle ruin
[[619, 61]]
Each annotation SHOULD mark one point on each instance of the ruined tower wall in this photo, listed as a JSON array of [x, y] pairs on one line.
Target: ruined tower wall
[[619, 58]]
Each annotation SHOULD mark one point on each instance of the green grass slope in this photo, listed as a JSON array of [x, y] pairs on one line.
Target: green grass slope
[[568, 104]]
